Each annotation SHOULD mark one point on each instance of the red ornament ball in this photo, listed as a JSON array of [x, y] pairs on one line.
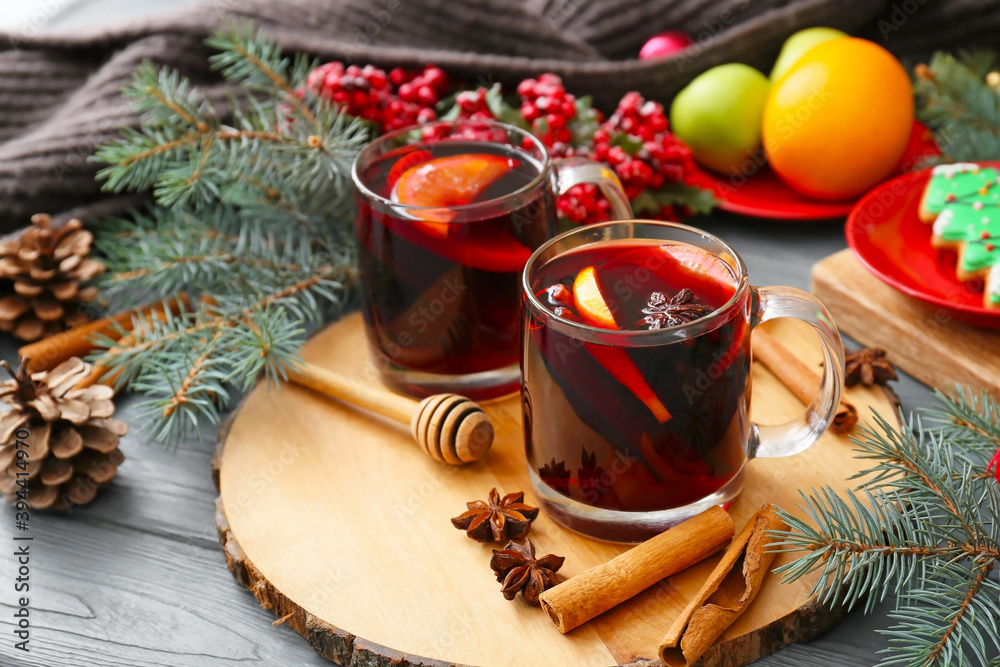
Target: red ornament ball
[[665, 44]]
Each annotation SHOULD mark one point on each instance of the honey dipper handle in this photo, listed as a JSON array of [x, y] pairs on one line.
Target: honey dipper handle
[[379, 401]]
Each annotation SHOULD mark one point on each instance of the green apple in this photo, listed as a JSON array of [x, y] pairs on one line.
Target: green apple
[[719, 114], [796, 46]]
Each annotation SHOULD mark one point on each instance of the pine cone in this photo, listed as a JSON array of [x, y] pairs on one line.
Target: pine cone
[[46, 267], [72, 441]]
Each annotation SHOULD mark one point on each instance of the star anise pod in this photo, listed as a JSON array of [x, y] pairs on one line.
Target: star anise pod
[[868, 366], [497, 519], [518, 570], [662, 312]]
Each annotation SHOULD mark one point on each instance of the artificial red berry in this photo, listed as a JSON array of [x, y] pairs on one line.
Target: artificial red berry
[[550, 110], [435, 78], [391, 101]]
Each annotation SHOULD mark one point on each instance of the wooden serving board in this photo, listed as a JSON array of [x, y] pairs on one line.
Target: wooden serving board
[[926, 343], [337, 522]]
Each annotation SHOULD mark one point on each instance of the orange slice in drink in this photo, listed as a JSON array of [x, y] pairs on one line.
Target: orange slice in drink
[[710, 278], [702, 267], [436, 184], [443, 182], [590, 302], [594, 310]]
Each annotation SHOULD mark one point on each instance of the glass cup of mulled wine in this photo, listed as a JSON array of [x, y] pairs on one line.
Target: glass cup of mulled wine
[[448, 214], [636, 375]]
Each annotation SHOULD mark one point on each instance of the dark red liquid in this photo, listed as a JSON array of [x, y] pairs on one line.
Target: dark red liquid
[[441, 289], [591, 433]]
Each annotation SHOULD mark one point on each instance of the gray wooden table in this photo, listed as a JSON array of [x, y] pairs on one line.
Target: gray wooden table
[[138, 578]]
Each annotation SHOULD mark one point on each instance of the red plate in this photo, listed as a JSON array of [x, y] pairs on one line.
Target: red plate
[[892, 242], [764, 195]]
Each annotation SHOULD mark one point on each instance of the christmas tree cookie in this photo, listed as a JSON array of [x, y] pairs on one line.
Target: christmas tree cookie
[[963, 202]]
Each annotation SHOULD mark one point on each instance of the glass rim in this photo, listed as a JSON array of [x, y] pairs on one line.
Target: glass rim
[[395, 134], [685, 331]]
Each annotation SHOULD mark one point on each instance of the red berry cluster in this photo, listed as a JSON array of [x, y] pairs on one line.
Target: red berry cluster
[[549, 109], [635, 141], [391, 101], [424, 87], [472, 105], [583, 204], [656, 157]]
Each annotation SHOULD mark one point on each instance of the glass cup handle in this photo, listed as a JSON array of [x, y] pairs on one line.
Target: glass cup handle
[[575, 170], [800, 433]]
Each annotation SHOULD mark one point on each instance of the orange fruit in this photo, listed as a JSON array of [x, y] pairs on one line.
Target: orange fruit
[[594, 310], [838, 121]]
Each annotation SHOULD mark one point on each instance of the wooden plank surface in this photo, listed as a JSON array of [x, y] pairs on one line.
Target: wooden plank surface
[[926, 342]]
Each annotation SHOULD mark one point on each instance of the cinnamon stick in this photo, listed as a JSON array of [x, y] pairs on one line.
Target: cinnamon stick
[[581, 598], [46, 354], [726, 594], [799, 378]]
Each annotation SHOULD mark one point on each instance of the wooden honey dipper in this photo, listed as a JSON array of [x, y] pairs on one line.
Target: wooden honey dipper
[[450, 428]]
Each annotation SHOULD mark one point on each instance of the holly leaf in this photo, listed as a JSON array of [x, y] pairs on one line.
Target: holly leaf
[[699, 200], [628, 143], [585, 123], [451, 113], [645, 203], [502, 110]]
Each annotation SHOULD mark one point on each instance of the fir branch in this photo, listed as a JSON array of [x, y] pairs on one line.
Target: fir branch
[[940, 648], [943, 617], [164, 98], [180, 396], [954, 100], [249, 57], [184, 363], [254, 223], [218, 253], [188, 156], [971, 419], [922, 526]]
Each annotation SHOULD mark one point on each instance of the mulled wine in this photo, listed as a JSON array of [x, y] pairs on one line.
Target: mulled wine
[[636, 428], [636, 375], [441, 253]]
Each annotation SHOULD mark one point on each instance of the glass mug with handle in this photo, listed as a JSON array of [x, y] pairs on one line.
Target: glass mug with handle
[[449, 213], [636, 375]]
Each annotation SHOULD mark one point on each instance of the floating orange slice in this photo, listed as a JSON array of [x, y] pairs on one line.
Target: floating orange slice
[[697, 262], [594, 310], [710, 277], [451, 180], [590, 302]]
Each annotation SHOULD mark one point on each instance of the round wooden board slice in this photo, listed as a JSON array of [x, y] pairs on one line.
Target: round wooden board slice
[[340, 524]]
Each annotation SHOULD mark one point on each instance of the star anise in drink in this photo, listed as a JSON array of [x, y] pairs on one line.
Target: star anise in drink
[[868, 366], [556, 475], [591, 475], [519, 571], [682, 308], [496, 519]]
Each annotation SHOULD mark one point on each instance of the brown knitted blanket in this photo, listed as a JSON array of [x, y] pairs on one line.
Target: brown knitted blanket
[[59, 91]]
